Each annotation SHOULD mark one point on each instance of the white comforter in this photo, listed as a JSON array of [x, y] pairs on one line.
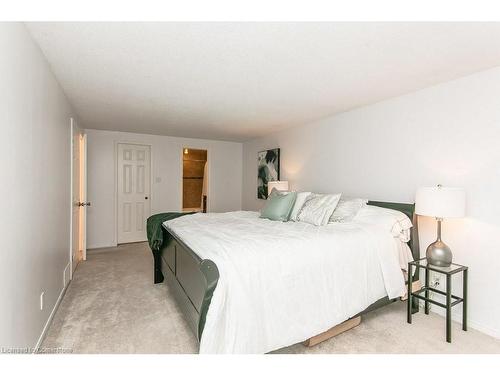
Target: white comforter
[[282, 283]]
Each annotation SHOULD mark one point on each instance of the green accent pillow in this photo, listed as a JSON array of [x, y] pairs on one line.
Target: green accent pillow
[[278, 206]]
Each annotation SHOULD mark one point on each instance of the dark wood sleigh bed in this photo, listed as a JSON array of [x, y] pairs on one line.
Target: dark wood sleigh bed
[[193, 280]]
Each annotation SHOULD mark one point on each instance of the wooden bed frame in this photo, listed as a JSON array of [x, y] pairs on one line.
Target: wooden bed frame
[[193, 280]]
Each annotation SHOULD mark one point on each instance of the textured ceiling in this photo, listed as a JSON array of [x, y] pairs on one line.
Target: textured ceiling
[[237, 81]]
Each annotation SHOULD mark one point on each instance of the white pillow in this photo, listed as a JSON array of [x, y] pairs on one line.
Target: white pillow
[[299, 203], [347, 209], [318, 208], [395, 222]]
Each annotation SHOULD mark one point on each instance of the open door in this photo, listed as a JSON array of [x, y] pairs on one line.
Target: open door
[[194, 180], [79, 202]]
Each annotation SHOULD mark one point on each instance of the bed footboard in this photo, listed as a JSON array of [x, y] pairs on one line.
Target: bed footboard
[[192, 280]]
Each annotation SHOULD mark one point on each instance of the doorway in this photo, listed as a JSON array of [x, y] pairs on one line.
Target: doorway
[[194, 180], [79, 201], [133, 191]]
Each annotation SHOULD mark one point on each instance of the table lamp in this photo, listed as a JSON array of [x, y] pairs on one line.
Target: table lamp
[[440, 202], [278, 185]]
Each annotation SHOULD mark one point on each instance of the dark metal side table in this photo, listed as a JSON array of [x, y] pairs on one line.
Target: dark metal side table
[[451, 300]]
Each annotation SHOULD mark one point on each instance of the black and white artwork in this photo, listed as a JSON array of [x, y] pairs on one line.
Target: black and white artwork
[[268, 169]]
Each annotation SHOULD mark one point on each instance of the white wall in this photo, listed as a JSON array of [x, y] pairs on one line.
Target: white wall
[[447, 134], [225, 176], [35, 188]]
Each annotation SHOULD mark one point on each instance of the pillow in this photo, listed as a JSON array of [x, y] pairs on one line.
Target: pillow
[[299, 203], [318, 208], [395, 222], [347, 209], [278, 206]]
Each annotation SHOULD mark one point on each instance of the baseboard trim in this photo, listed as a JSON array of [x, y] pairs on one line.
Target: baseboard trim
[[457, 317], [101, 246], [482, 328], [98, 250], [477, 326], [118, 247], [51, 316]]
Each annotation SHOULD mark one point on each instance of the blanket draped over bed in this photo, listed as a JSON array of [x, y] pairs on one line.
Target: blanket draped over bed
[[158, 236]]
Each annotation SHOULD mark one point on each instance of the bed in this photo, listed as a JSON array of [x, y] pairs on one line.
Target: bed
[[231, 301]]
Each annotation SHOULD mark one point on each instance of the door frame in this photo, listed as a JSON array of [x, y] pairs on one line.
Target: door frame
[[83, 176], [115, 198], [83, 187], [71, 202], [209, 173]]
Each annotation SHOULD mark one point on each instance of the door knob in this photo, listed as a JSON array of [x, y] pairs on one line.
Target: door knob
[[146, 198]]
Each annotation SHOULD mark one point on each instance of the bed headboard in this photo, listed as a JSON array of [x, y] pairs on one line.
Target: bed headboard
[[409, 210]]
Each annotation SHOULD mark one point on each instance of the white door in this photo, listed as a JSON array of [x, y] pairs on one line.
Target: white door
[[133, 189], [78, 195]]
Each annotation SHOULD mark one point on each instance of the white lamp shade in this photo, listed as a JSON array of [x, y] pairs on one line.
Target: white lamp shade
[[278, 185], [440, 201]]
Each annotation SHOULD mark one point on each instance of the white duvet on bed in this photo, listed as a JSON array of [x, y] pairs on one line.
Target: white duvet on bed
[[282, 283]]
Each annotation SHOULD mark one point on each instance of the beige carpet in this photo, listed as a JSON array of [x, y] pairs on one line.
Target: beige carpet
[[112, 306]]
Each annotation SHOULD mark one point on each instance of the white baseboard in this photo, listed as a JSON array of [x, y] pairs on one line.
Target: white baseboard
[[66, 275], [484, 329], [457, 317], [100, 246], [52, 313]]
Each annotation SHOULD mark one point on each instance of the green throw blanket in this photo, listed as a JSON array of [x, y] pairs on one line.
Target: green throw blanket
[[158, 236]]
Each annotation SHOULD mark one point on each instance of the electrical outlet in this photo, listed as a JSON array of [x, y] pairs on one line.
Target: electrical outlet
[[436, 281], [41, 300]]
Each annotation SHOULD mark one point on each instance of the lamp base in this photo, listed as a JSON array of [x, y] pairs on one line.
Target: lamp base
[[439, 254]]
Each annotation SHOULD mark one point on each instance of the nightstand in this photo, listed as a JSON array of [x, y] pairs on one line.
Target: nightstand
[[451, 300]]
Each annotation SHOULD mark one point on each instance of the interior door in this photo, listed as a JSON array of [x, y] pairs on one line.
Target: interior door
[[78, 195], [133, 190]]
